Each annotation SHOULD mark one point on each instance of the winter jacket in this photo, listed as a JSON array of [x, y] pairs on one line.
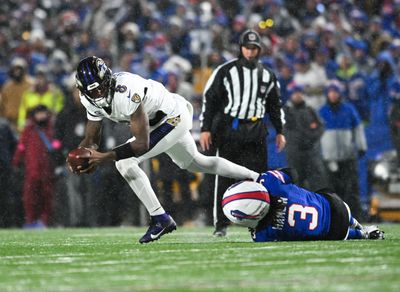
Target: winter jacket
[[303, 129], [344, 133], [33, 153]]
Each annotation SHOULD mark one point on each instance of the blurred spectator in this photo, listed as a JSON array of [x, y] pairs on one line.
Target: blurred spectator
[[283, 23], [343, 142], [43, 93], [312, 78], [289, 48], [303, 131], [201, 72], [34, 153], [394, 118], [359, 22], [379, 84], [8, 142], [355, 84], [359, 53], [12, 91], [175, 84], [377, 38], [285, 77]]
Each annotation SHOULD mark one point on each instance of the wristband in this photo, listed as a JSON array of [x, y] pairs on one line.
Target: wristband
[[124, 151]]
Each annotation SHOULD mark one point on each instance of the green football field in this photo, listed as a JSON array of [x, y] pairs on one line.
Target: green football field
[[111, 259]]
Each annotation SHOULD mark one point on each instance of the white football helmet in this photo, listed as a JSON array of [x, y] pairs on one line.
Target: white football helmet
[[246, 203]]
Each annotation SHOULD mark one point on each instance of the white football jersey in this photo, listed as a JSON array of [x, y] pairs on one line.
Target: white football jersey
[[131, 90]]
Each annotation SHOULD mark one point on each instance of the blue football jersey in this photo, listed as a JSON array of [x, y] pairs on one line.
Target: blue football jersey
[[298, 214]]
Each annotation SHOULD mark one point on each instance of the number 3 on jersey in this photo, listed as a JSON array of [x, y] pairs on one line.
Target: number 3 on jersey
[[303, 210]]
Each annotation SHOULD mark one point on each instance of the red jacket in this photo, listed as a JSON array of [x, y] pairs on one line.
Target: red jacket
[[33, 153]]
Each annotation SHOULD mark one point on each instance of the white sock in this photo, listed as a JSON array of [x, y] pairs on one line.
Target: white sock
[[140, 184], [220, 166]]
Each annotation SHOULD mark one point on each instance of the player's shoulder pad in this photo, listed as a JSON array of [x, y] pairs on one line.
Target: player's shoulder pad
[[130, 85]]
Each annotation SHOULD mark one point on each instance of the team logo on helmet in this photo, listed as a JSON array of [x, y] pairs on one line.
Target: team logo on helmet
[[101, 67], [252, 37], [136, 98]]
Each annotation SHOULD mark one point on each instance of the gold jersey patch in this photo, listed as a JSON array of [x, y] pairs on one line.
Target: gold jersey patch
[[174, 121], [136, 98]]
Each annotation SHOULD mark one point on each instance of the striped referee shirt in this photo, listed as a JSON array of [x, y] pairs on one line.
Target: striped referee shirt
[[242, 92]]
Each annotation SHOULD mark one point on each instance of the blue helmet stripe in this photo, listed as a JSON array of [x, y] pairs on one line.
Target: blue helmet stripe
[[90, 75], [85, 78]]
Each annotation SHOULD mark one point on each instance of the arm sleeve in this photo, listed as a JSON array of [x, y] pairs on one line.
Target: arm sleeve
[[211, 99], [274, 108]]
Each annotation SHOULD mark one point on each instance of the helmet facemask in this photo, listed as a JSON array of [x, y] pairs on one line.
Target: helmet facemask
[[99, 96]]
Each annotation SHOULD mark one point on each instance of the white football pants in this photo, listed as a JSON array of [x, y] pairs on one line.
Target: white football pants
[[181, 147]]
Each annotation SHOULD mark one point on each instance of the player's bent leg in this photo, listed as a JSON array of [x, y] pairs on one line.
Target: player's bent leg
[[184, 153], [140, 184], [161, 223], [221, 166]]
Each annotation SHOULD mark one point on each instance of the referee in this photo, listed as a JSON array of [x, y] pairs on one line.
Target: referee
[[237, 97]]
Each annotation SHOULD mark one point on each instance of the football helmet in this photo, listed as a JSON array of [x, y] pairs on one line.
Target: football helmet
[[94, 80], [246, 203]]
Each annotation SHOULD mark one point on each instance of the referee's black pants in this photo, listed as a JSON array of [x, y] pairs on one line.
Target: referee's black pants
[[252, 155]]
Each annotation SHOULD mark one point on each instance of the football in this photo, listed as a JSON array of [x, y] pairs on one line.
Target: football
[[246, 203], [74, 161]]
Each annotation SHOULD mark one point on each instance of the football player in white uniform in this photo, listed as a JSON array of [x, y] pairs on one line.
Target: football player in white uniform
[[160, 122]]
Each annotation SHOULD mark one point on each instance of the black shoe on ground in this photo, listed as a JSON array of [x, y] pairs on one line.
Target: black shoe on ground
[[220, 231], [159, 226]]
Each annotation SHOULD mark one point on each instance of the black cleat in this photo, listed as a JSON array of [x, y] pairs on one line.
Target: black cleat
[[220, 232], [158, 228]]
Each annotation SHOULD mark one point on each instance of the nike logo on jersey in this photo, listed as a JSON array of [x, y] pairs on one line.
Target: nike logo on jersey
[[129, 94], [154, 236]]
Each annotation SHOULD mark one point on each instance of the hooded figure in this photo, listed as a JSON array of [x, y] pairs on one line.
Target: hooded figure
[[34, 150], [343, 142]]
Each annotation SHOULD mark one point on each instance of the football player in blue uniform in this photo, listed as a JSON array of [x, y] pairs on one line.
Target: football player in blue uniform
[[299, 214]]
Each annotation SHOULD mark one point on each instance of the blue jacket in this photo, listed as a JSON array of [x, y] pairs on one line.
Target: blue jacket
[[344, 133]]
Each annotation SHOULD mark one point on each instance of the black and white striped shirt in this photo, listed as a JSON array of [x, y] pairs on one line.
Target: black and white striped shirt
[[242, 92]]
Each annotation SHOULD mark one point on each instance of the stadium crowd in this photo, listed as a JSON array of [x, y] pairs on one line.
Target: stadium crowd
[[350, 46]]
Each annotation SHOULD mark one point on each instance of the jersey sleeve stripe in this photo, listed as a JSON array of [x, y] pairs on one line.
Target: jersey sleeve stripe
[[278, 175]]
